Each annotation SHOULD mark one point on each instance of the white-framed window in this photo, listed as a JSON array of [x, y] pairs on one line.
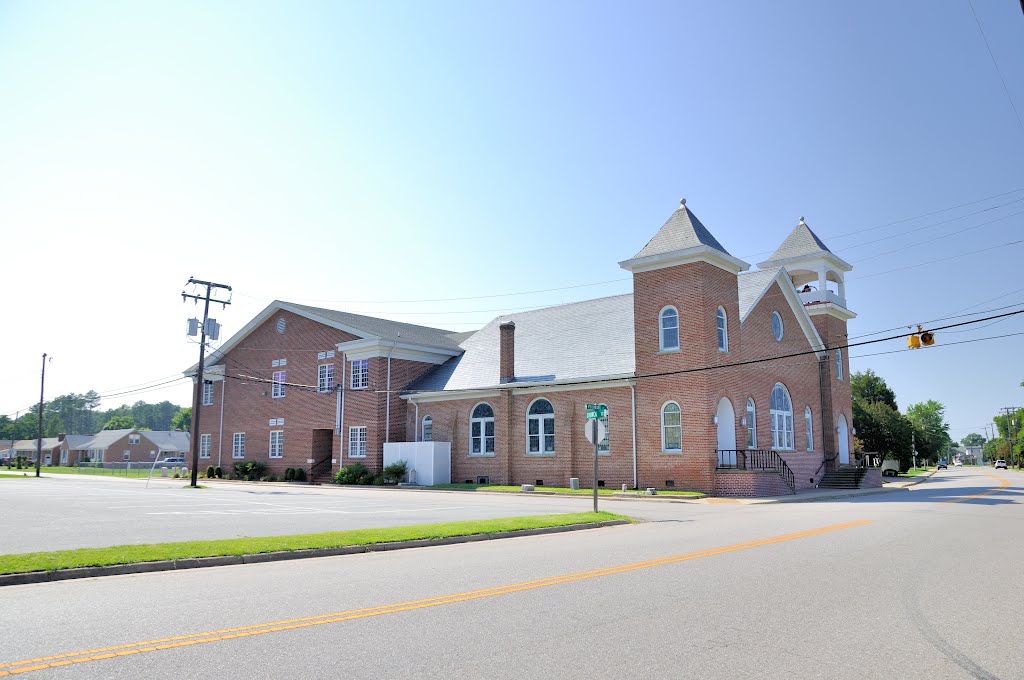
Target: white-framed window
[[668, 324], [127, 455], [839, 363], [604, 447], [238, 445], [277, 384], [809, 426], [357, 442], [325, 377], [152, 453], [134, 438], [723, 330], [781, 411], [777, 326], [204, 445], [428, 429], [277, 443], [671, 428], [360, 374], [751, 424], [481, 430], [207, 393], [540, 424]]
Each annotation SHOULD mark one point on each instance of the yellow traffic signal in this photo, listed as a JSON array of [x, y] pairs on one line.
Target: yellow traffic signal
[[927, 339], [913, 342]]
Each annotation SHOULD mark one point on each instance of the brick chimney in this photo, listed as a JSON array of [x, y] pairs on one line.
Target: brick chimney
[[61, 437], [507, 344]]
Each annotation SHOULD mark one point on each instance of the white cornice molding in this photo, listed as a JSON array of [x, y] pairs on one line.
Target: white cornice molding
[[827, 257], [675, 258], [830, 309], [369, 348], [573, 385]]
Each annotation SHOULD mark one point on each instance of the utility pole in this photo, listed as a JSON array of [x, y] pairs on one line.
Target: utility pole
[[1011, 417], [198, 391], [39, 433], [913, 448]]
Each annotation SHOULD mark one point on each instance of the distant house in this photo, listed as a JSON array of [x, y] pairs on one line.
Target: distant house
[[26, 448], [125, 446]]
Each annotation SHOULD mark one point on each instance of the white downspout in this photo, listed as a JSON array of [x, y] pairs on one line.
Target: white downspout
[[632, 401], [341, 414], [416, 437], [387, 402], [220, 437]]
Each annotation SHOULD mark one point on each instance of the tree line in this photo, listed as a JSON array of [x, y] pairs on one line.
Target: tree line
[[80, 414], [881, 428]]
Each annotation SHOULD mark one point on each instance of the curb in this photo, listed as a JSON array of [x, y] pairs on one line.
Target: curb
[[255, 558], [815, 499]]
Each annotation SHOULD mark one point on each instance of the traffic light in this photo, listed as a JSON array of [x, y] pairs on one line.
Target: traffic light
[[913, 342], [927, 339]]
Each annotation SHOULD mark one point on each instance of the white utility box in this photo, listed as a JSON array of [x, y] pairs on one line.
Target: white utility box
[[432, 461]]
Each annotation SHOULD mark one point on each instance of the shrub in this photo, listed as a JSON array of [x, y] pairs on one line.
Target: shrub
[[396, 472], [289, 474], [299, 475], [177, 475], [210, 473], [218, 472], [353, 474], [250, 471]]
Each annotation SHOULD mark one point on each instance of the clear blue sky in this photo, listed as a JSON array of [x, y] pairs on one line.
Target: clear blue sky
[[376, 152]]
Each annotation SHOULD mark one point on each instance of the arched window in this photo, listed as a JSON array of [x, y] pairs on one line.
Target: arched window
[[541, 427], [781, 410], [723, 331], [669, 320], [777, 325], [671, 427], [604, 446], [809, 426], [751, 424], [839, 363], [428, 429], [481, 431]]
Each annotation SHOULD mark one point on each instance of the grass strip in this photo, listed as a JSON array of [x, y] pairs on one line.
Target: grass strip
[[132, 554], [914, 472], [551, 489]]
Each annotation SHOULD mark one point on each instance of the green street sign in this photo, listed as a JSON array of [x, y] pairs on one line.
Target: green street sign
[[596, 411]]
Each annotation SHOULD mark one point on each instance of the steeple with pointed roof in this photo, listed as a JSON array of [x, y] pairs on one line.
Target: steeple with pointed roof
[[683, 239]]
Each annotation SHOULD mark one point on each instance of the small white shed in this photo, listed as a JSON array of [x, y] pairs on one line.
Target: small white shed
[[432, 461]]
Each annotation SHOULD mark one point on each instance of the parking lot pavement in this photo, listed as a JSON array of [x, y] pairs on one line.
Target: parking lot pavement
[[65, 511]]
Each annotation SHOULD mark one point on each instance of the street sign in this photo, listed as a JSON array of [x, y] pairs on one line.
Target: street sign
[[595, 430], [596, 410]]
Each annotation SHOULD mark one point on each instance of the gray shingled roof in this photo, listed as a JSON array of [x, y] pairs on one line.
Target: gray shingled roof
[[751, 285], [568, 342], [75, 441], [682, 230], [388, 330], [800, 242], [168, 440], [30, 444], [102, 440]]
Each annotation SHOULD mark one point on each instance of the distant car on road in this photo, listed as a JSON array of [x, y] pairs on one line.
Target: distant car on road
[[1000, 464], [957, 463], [941, 465]]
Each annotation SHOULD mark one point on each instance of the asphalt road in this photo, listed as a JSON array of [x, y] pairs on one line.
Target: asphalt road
[[911, 584]]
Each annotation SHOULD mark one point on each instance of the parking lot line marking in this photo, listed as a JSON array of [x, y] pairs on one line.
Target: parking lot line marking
[[17, 667], [1003, 484]]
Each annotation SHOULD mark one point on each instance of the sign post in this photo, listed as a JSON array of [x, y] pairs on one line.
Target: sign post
[[596, 431]]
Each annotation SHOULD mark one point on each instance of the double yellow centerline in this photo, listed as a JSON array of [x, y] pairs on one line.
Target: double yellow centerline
[[91, 655]]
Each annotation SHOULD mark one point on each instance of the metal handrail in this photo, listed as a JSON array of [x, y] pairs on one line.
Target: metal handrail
[[319, 467], [757, 459]]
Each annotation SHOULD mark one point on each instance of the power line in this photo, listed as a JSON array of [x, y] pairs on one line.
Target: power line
[[943, 259], [1002, 80]]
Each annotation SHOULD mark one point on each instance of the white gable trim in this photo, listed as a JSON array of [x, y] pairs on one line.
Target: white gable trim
[[799, 311], [700, 253], [369, 348]]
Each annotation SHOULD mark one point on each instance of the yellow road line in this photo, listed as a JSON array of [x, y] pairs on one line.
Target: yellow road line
[[41, 663], [1003, 483]]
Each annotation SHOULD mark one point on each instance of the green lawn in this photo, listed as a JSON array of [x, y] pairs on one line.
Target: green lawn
[[131, 554], [914, 472], [106, 472], [551, 489]]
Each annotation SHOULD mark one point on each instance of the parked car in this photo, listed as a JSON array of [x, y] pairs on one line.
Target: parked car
[[941, 465], [173, 461], [957, 463], [1000, 464]]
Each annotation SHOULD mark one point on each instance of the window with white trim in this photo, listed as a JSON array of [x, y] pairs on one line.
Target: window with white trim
[[325, 377], [839, 363], [360, 374], [207, 393], [723, 330], [277, 384], [134, 438], [671, 428], [277, 443], [809, 426], [205, 441], [605, 446], [751, 424], [481, 430], [127, 455], [668, 322], [428, 429], [540, 422], [357, 442], [777, 326], [781, 412], [238, 445]]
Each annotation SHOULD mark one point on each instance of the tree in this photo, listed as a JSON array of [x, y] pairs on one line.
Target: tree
[[973, 439], [120, 423], [869, 387], [930, 428], [182, 420], [883, 429]]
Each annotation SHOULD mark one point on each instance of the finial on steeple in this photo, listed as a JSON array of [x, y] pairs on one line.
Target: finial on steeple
[[682, 202], [802, 220]]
